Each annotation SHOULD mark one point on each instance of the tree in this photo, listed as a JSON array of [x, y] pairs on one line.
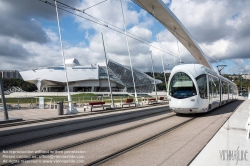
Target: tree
[[160, 76], [26, 86]]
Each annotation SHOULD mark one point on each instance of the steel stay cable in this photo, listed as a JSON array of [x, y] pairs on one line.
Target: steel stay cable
[[107, 23], [172, 54], [207, 50], [172, 29]]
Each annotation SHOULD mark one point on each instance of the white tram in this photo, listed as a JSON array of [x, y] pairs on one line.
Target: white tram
[[193, 88]]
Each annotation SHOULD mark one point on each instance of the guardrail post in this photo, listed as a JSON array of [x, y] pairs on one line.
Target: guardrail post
[[51, 103], [31, 104], [79, 101], [18, 102], [6, 116]]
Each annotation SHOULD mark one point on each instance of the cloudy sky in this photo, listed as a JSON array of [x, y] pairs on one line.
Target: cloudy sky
[[29, 33]]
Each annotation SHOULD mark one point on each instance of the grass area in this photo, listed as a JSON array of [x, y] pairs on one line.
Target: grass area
[[77, 98]]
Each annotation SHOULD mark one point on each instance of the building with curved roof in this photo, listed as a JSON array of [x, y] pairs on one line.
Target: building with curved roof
[[89, 78]]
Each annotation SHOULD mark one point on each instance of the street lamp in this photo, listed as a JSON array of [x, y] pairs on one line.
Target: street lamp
[[152, 63], [110, 88], [131, 67], [71, 109]]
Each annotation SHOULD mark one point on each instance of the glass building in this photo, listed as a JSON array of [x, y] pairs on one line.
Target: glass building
[[143, 82], [89, 78]]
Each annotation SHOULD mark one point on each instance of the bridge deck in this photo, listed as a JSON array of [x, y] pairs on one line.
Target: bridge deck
[[229, 141]]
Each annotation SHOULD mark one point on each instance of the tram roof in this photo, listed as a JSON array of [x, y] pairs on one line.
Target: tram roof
[[168, 19]]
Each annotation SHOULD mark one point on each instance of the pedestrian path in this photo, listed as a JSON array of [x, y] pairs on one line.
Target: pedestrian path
[[229, 146], [36, 113]]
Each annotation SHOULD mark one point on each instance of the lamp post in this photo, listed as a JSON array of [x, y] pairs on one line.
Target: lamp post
[[106, 61], [131, 67], [5, 111], [71, 106], [152, 63], [164, 72], [6, 116]]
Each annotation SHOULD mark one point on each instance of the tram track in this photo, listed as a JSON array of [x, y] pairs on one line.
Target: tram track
[[125, 150], [77, 121], [111, 153], [95, 138], [92, 128], [99, 112], [186, 142]]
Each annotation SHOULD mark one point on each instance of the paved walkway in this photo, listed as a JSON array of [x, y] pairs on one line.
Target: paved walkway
[[36, 113], [229, 146]]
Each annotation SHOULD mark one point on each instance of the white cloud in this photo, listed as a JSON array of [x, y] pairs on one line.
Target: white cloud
[[219, 25], [110, 12], [166, 1], [52, 36]]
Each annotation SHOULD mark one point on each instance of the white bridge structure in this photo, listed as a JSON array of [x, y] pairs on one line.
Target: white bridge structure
[[167, 18]]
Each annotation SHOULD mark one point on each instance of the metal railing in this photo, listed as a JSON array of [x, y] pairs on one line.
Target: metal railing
[[50, 102]]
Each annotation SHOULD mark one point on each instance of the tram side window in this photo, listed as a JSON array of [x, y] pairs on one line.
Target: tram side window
[[217, 85], [233, 92], [210, 84], [224, 90], [202, 85], [230, 92], [213, 87]]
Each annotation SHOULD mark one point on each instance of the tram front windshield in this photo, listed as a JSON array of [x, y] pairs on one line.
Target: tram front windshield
[[181, 86]]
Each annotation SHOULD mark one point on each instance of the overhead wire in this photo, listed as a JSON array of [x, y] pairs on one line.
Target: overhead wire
[[173, 29], [105, 25], [110, 24], [206, 49]]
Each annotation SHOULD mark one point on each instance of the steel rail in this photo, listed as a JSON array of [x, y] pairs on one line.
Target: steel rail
[[78, 130], [89, 140], [122, 151], [71, 116]]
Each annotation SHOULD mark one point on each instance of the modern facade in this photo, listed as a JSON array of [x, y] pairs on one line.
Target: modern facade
[[89, 78]]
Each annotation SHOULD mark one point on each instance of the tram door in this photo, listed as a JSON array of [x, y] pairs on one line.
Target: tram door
[[224, 92], [214, 96], [210, 92], [230, 98]]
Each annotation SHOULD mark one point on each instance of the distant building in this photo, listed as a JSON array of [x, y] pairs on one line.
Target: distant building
[[10, 74], [89, 78], [244, 76]]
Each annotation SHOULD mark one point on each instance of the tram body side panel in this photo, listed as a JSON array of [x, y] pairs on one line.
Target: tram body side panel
[[203, 105]]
